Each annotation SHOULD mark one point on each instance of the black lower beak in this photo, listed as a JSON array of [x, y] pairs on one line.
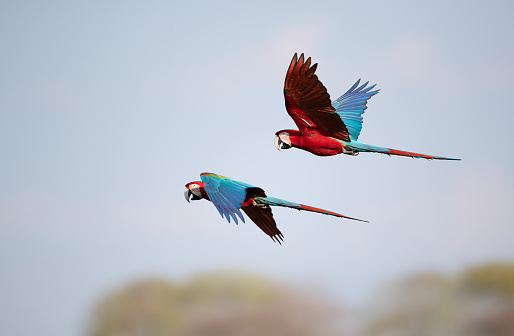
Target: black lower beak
[[187, 194]]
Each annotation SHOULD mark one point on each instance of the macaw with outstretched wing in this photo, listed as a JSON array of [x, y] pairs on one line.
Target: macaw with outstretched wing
[[229, 195], [327, 128]]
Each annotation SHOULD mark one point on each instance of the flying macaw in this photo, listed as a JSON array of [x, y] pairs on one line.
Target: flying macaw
[[326, 128], [229, 195]]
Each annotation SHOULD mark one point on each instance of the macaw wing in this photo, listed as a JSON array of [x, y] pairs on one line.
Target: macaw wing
[[308, 102], [263, 218], [226, 194], [351, 105]]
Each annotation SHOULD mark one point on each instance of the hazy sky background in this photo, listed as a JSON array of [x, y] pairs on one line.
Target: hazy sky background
[[107, 108]]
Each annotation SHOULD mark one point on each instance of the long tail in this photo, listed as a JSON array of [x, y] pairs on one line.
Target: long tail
[[283, 203], [362, 147]]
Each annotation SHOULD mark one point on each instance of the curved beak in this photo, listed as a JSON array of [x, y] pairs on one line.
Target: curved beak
[[282, 143], [187, 194], [278, 142]]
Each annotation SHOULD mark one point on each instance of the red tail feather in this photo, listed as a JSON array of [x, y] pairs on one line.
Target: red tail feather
[[412, 154], [326, 212]]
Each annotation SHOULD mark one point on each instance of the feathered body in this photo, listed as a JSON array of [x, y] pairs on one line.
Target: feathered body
[[229, 196], [327, 128]]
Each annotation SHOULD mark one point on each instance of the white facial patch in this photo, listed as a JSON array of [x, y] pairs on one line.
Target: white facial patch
[[195, 189], [285, 138]]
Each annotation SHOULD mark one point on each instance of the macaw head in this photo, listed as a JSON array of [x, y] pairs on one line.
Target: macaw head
[[282, 140], [196, 190]]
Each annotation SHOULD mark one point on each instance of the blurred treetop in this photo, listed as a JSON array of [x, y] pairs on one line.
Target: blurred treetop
[[221, 303], [494, 277], [477, 302]]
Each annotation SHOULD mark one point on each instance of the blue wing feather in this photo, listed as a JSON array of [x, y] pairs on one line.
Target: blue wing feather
[[221, 202], [229, 200], [224, 204], [351, 105], [218, 204], [226, 194], [362, 86]]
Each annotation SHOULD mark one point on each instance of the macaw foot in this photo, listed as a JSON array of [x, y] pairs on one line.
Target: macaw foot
[[350, 152]]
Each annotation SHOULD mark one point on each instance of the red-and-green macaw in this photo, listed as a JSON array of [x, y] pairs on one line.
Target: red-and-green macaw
[[229, 195], [327, 128]]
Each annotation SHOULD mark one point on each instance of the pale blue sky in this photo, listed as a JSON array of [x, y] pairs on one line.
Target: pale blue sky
[[108, 108]]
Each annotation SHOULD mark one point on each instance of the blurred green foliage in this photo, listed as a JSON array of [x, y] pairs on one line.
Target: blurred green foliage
[[492, 278], [148, 307], [477, 302], [419, 305], [221, 303]]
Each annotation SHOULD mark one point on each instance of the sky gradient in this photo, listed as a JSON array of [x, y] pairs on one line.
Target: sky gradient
[[107, 109]]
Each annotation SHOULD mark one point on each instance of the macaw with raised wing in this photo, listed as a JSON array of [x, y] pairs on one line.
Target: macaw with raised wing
[[229, 196], [327, 128]]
